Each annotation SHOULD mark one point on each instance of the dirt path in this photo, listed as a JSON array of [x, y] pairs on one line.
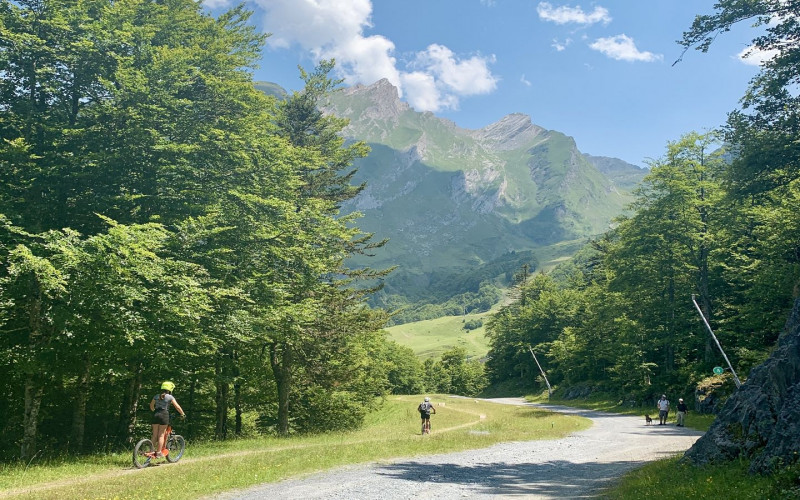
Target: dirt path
[[577, 466]]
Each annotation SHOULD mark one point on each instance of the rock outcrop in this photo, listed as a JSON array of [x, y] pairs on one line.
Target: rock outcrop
[[760, 421]]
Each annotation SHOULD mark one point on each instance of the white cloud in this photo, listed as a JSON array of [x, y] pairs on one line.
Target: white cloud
[[423, 92], [753, 56], [576, 15], [363, 59], [435, 79], [623, 48], [525, 81], [463, 77], [214, 4], [561, 46]]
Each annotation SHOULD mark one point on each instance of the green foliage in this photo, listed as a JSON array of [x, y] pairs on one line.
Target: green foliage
[[316, 410], [164, 218], [404, 370], [619, 316], [453, 373], [473, 324]]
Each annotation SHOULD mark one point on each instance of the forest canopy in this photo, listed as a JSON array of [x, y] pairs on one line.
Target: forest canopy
[[164, 219]]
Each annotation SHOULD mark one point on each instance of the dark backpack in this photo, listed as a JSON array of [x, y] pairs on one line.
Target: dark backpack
[[424, 407]]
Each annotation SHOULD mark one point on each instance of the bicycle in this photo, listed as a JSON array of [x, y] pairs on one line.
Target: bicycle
[[145, 451], [426, 425]]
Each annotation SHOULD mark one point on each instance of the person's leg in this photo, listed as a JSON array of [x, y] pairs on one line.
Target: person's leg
[[162, 429], [154, 438]]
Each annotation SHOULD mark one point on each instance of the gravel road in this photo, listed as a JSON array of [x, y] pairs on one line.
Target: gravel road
[[577, 466]]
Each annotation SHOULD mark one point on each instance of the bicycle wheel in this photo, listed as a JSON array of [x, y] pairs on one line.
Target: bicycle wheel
[[176, 446], [143, 453]]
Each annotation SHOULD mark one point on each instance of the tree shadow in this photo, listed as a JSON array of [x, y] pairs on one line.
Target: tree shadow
[[557, 478]]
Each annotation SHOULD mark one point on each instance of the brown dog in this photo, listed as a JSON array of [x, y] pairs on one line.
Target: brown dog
[[648, 420]]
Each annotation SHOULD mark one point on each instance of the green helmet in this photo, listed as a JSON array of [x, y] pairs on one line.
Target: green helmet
[[167, 386]]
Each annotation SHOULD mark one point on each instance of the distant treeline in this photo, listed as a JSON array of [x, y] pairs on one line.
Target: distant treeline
[[451, 292]]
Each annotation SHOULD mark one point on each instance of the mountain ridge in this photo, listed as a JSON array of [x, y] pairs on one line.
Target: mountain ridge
[[451, 199]]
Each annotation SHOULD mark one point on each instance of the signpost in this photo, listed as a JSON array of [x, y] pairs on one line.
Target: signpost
[[718, 370]]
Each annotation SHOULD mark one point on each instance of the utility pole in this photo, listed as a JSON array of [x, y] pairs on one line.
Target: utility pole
[[549, 390], [733, 372]]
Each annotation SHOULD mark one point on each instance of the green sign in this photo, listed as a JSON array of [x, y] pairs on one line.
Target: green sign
[[718, 370]]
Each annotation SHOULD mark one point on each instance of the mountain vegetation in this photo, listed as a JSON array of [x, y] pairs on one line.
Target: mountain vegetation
[[465, 209]]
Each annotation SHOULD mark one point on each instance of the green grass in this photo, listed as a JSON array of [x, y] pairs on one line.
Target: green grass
[[430, 338], [551, 256], [668, 479], [209, 468]]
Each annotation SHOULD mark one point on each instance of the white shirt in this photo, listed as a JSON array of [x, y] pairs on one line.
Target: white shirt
[[663, 404]]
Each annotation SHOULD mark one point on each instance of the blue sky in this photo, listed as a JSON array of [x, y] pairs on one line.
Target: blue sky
[[600, 71]]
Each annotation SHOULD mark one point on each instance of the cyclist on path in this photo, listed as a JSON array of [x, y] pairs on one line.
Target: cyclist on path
[[425, 408], [159, 405]]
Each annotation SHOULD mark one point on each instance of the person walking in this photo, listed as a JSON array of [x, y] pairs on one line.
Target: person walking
[[682, 411], [663, 409]]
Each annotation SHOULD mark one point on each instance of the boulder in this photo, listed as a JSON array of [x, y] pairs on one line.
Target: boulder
[[761, 420]]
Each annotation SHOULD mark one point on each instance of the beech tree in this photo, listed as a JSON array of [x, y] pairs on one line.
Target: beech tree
[[157, 204]]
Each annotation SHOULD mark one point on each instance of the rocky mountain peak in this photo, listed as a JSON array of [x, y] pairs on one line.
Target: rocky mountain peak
[[511, 132], [384, 98]]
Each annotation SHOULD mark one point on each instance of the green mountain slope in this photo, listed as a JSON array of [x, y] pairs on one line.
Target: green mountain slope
[[452, 199], [463, 209]]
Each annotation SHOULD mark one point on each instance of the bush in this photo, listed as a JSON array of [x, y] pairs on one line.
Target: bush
[[317, 410]]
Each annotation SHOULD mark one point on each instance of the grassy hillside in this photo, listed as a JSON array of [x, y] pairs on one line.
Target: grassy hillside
[[430, 338]]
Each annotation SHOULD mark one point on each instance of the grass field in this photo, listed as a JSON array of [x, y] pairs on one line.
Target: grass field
[[430, 338], [679, 481], [551, 256], [208, 468]]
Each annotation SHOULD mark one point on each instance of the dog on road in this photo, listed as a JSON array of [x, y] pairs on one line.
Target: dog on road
[[648, 420]]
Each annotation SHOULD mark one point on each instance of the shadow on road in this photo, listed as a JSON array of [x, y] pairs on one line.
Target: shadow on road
[[541, 479]]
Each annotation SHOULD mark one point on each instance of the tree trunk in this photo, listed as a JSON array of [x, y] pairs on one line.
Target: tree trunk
[[30, 424], [237, 395], [221, 430], [81, 396], [190, 407], [281, 360], [127, 417], [33, 386]]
